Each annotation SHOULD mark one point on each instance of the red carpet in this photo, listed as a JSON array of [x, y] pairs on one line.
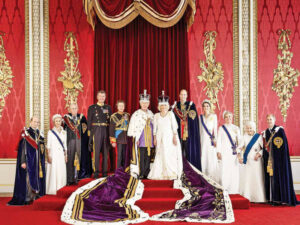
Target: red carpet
[[158, 196]]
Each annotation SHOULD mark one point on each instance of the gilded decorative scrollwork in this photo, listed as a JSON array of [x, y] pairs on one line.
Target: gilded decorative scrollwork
[[71, 76], [6, 76], [285, 77], [212, 73]]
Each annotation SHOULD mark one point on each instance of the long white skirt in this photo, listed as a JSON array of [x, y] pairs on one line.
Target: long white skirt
[[209, 160], [230, 173], [56, 177], [167, 164], [252, 179]]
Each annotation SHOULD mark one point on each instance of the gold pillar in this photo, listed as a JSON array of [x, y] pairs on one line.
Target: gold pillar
[[37, 61]]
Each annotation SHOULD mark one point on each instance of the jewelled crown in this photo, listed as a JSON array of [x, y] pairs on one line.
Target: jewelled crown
[[145, 97], [163, 99]]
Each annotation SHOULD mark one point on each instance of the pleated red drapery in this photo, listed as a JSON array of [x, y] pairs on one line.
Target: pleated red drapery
[[141, 56]]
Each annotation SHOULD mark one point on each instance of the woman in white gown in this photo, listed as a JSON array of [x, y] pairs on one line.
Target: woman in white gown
[[56, 177], [228, 151], [252, 174], [208, 137], [167, 164]]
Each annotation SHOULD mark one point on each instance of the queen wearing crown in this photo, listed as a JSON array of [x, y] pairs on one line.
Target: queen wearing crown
[[167, 164]]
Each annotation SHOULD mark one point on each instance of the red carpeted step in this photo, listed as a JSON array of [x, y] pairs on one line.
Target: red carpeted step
[[158, 183], [49, 203], [239, 202], [66, 191], [84, 181], [156, 203], [162, 193]]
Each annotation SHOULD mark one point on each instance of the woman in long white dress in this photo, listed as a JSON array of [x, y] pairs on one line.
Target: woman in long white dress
[[56, 177], [252, 174], [167, 164], [208, 137], [228, 152]]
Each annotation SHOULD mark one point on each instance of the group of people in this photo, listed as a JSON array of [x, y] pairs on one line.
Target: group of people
[[254, 165]]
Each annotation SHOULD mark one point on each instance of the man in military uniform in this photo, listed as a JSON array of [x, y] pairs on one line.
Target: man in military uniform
[[118, 132], [98, 123], [76, 127], [188, 132], [30, 167]]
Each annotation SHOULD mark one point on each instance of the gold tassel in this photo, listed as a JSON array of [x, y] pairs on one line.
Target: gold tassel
[[41, 171], [148, 137], [270, 168], [76, 162]]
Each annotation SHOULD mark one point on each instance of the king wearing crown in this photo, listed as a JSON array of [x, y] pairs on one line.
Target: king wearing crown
[[141, 129]]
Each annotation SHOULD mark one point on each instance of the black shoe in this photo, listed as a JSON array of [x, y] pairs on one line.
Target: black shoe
[[29, 202], [275, 203]]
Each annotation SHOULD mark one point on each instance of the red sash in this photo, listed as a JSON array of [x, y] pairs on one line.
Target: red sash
[[72, 126], [183, 121], [30, 140]]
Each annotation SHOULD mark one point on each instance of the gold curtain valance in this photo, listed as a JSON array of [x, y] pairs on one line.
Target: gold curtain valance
[[139, 7]]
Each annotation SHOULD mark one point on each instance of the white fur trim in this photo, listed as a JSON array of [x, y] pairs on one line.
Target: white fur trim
[[67, 211], [178, 185]]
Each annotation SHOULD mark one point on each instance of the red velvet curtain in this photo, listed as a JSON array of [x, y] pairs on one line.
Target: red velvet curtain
[[141, 56]]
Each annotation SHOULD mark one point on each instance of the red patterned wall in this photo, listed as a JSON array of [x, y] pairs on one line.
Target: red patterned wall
[[68, 15], [12, 17], [212, 15], [274, 15]]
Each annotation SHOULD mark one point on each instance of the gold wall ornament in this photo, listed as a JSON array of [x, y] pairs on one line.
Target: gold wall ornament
[[5, 75], [212, 73], [71, 76], [285, 77]]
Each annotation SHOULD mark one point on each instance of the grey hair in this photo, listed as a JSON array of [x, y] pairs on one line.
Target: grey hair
[[73, 103], [34, 116], [251, 124], [55, 116]]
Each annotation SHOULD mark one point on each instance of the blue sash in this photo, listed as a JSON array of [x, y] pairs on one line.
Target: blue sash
[[59, 140], [233, 145], [212, 137], [249, 146], [118, 132]]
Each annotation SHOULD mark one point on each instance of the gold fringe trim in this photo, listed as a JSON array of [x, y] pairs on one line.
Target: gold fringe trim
[[92, 8]]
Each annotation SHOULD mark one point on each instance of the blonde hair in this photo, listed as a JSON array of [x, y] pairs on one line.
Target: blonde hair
[[271, 115], [167, 104], [225, 113]]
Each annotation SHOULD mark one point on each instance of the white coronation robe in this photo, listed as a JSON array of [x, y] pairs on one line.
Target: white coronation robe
[[167, 164], [136, 126], [252, 184], [209, 161], [229, 165], [56, 177]]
